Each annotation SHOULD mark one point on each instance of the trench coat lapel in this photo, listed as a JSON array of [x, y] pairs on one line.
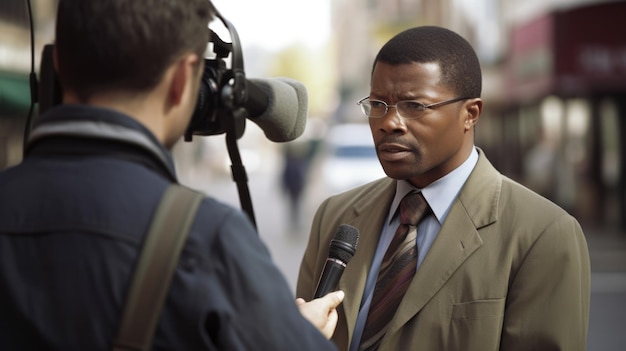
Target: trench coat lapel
[[369, 218]]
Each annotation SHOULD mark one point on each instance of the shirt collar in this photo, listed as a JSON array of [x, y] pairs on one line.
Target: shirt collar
[[441, 193]]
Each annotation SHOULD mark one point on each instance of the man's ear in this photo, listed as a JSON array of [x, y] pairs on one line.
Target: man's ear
[[473, 109], [183, 76]]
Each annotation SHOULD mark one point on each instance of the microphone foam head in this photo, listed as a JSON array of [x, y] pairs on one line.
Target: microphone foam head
[[287, 110], [343, 246]]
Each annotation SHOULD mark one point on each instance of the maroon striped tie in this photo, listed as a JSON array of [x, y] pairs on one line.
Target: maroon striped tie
[[396, 271]]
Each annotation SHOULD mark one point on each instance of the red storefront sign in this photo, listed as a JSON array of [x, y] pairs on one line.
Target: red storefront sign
[[580, 51]]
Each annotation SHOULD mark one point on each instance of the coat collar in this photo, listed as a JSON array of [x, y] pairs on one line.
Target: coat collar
[[475, 207], [89, 130], [370, 213]]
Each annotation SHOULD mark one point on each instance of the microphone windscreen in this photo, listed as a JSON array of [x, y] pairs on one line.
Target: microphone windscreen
[[343, 245], [285, 117]]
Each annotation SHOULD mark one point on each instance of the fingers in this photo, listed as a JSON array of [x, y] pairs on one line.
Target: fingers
[[329, 301], [322, 312], [333, 299]]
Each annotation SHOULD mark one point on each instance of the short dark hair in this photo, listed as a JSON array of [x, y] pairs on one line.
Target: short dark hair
[[108, 45], [460, 68]]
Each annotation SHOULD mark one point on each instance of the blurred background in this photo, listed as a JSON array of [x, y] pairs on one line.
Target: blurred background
[[554, 78]]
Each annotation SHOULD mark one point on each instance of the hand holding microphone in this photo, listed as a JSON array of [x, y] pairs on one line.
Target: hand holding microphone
[[342, 248], [322, 310]]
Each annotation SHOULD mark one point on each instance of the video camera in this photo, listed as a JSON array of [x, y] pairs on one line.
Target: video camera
[[221, 98], [220, 107]]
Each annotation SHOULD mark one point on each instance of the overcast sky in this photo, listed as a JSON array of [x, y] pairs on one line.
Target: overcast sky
[[275, 24]]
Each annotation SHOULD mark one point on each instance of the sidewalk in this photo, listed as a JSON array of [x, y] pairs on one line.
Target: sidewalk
[[607, 249]]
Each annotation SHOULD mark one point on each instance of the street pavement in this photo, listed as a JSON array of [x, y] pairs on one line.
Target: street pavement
[[607, 320], [607, 326]]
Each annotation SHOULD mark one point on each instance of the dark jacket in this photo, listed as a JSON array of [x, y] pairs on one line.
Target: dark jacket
[[73, 216]]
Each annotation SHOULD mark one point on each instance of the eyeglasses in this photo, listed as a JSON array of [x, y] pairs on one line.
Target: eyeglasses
[[408, 109]]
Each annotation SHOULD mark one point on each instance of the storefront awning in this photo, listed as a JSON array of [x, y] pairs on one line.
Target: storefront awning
[[14, 93], [579, 51]]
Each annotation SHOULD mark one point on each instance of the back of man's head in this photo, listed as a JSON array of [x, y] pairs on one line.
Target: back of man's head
[[125, 45], [460, 68]]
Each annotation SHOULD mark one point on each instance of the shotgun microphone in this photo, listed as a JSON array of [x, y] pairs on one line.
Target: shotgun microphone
[[279, 106]]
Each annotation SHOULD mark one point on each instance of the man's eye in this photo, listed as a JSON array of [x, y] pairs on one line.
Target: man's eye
[[377, 104], [413, 105]]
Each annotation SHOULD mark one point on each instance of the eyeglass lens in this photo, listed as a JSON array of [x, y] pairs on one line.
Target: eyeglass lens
[[406, 109]]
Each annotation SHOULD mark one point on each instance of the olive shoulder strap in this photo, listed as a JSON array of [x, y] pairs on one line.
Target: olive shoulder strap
[[156, 266]]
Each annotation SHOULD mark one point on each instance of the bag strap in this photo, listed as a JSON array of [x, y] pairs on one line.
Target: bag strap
[[156, 266]]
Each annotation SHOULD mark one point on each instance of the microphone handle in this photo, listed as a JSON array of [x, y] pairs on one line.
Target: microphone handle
[[333, 269]]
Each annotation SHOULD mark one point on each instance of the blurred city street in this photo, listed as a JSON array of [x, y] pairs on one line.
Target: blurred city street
[[607, 249], [554, 117]]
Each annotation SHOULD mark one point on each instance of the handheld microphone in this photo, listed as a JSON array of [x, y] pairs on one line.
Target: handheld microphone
[[342, 248], [279, 106]]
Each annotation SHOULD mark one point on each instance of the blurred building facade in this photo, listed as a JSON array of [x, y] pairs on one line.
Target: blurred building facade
[[554, 86]]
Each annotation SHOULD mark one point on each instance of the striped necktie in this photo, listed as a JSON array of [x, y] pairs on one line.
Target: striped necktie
[[396, 271]]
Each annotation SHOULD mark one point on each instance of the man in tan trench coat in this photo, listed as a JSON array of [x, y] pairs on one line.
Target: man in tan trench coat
[[498, 266]]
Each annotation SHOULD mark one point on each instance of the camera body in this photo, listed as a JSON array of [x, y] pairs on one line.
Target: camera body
[[219, 108], [222, 92]]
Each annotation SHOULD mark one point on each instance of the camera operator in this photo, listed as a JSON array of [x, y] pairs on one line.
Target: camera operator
[[74, 213]]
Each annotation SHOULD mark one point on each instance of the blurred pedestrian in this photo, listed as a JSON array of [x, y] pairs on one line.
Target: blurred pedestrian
[[297, 157]]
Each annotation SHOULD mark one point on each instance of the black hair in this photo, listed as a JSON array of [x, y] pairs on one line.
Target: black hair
[[107, 45], [460, 68]]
